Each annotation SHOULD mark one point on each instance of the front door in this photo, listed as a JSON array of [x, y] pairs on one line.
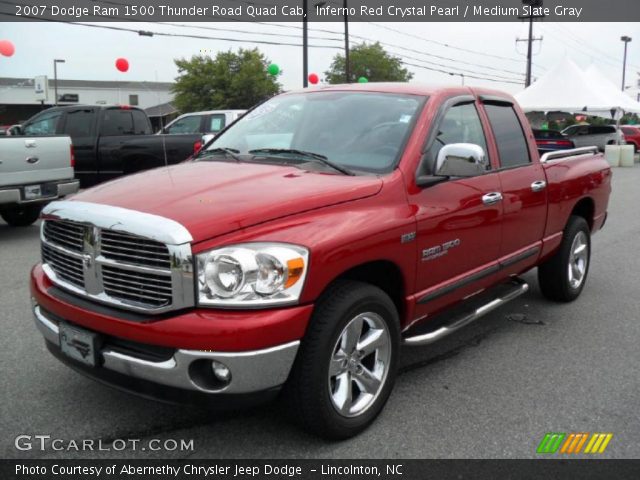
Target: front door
[[458, 221]]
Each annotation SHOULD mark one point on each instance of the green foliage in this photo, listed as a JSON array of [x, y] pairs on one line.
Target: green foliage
[[370, 61], [228, 81]]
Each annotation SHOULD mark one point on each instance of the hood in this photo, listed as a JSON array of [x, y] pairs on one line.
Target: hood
[[215, 198]]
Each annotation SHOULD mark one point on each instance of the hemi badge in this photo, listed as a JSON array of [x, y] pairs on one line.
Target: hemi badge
[[408, 237]]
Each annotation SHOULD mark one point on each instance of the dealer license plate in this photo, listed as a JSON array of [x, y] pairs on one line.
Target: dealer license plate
[[78, 344], [31, 192]]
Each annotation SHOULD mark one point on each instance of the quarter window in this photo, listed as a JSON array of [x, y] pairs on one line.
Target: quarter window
[[512, 143], [190, 124]]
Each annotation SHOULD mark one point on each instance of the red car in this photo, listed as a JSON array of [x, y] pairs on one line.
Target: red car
[[632, 135], [308, 242]]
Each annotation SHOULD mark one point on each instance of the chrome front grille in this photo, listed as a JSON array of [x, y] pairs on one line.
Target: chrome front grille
[[67, 267], [116, 267], [145, 287], [133, 249], [66, 234]]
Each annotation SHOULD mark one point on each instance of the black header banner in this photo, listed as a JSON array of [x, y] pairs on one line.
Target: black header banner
[[320, 10]]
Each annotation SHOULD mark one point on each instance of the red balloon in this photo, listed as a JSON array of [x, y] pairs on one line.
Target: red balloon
[[313, 78], [6, 48], [122, 64]]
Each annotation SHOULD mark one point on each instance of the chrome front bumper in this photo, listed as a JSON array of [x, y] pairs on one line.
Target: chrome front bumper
[[251, 371], [14, 194]]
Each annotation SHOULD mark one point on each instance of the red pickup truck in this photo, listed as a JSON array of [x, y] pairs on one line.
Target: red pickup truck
[[309, 241]]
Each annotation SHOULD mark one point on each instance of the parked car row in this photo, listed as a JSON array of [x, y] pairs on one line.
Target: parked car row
[[63, 148]]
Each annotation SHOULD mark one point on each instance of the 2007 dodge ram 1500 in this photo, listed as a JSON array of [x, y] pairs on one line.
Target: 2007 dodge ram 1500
[[308, 242]]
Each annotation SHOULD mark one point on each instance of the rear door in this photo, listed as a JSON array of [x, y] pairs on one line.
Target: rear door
[[523, 184], [458, 228], [80, 125]]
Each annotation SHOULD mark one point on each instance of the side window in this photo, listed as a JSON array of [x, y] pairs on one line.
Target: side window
[[461, 124], [117, 122], [78, 123], [512, 143], [133, 100], [141, 123], [216, 123], [45, 124], [190, 124]]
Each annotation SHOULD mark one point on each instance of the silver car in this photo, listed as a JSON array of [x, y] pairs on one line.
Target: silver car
[[594, 135]]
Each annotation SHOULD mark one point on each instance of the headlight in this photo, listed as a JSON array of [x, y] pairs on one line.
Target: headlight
[[252, 275]]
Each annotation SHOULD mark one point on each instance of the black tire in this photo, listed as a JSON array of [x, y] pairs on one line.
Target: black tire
[[309, 387], [21, 215], [556, 280]]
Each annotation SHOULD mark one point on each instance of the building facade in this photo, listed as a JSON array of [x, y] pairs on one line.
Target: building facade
[[20, 99]]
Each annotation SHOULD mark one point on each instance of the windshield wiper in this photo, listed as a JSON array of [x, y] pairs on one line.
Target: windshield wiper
[[315, 157], [230, 152]]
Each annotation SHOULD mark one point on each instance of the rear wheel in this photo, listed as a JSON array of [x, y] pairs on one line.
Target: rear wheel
[[564, 275], [346, 366], [21, 215]]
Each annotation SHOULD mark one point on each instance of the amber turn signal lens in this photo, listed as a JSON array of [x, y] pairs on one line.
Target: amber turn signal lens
[[296, 268]]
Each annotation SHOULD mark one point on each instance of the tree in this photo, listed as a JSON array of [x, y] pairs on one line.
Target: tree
[[370, 61], [228, 81]]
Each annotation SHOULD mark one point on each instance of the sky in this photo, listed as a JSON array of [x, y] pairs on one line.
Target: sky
[[90, 53]]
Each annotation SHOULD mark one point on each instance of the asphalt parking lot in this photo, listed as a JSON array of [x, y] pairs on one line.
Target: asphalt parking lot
[[491, 390]]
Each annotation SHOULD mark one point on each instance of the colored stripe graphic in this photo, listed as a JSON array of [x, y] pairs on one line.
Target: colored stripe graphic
[[551, 442], [572, 443], [598, 443]]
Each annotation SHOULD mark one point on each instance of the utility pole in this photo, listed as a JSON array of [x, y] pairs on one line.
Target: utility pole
[[347, 67], [305, 45], [532, 4], [626, 41], [305, 40]]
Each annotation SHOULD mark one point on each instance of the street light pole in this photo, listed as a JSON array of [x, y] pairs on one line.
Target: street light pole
[[55, 78], [626, 40], [347, 66]]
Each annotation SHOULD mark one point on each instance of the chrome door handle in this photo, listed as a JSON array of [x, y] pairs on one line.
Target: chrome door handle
[[538, 186], [32, 160], [491, 198]]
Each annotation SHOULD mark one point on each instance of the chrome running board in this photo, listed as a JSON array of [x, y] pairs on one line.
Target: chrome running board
[[510, 291]]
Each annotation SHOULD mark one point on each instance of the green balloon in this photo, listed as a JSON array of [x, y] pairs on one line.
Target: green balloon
[[273, 69], [363, 80]]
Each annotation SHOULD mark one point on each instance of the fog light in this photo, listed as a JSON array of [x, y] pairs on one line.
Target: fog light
[[221, 371]]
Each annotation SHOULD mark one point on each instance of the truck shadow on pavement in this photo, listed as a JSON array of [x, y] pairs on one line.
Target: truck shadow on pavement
[[263, 425]]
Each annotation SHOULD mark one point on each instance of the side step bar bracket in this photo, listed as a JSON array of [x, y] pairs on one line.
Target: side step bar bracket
[[514, 289]]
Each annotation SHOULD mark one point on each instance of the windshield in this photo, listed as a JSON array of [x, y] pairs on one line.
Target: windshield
[[359, 131]]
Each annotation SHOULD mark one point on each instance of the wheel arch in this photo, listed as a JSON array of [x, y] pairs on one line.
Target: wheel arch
[[384, 274], [585, 208]]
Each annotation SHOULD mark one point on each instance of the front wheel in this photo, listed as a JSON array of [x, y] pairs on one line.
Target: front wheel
[[346, 366], [21, 215], [563, 276]]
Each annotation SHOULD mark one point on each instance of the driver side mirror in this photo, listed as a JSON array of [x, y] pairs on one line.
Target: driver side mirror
[[15, 130], [461, 160]]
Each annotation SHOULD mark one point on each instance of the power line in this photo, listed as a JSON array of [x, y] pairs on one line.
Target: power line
[[475, 52], [464, 73]]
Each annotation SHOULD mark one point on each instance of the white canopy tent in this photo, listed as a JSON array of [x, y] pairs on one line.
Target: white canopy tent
[[596, 77], [567, 88]]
